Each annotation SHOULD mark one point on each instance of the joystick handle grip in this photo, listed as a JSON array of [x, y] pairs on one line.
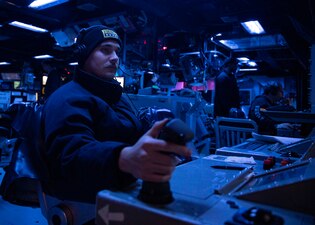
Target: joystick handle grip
[[175, 131]]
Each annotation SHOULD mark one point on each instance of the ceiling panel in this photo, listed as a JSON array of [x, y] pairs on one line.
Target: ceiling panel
[[140, 20]]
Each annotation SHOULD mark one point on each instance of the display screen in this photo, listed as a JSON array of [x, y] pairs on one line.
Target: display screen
[[16, 84], [270, 178], [10, 76], [192, 67], [121, 80], [167, 79], [292, 117], [245, 96]]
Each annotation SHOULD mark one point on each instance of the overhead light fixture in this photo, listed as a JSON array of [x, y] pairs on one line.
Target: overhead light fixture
[[73, 64], [252, 42], [246, 61], [253, 27], [216, 35], [65, 37], [43, 4], [44, 79], [27, 26], [230, 44], [43, 57], [4, 63], [251, 63], [243, 59], [247, 69]]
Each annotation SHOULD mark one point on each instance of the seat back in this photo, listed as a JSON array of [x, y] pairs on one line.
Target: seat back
[[27, 181], [19, 185], [56, 211], [233, 131]]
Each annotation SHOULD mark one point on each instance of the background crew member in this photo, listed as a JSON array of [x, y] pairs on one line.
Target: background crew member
[[93, 140], [226, 89], [54, 77], [269, 100]]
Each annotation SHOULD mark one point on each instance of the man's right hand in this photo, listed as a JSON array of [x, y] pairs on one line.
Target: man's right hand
[[147, 159]]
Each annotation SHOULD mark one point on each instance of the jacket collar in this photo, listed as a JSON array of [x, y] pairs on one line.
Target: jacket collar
[[109, 90]]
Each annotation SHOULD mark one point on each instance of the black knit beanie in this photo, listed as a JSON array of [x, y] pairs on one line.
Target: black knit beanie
[[89, 38]]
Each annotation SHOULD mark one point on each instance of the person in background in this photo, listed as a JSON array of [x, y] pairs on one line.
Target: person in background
[[226, 90], [271, 99], [93, 140], [54, 77]]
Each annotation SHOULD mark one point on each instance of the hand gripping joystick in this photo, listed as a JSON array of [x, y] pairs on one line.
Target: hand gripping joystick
[[175, 131]]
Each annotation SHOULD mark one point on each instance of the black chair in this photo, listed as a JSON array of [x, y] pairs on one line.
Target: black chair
[[29, 178]]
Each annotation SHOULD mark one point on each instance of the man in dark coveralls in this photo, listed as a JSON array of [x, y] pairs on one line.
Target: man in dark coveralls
[[54, 77], [269, 100], [93, 140], [226, 89]]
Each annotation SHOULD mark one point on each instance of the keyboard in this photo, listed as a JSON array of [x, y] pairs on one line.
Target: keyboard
[[250, 145]]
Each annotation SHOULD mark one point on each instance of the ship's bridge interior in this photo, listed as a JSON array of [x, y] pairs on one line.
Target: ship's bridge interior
[[172, 55]]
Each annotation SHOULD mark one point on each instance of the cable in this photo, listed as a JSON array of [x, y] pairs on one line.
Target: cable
[[130, 100], [124, 71]]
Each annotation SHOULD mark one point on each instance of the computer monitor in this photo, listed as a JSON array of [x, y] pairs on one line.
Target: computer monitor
[[290, 117], [121, 80], [10, 76], [245, 96], [167, 79], [16, 84], [192, 66]]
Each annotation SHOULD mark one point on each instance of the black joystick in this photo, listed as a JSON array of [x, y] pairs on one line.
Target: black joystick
[[175, 131]]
